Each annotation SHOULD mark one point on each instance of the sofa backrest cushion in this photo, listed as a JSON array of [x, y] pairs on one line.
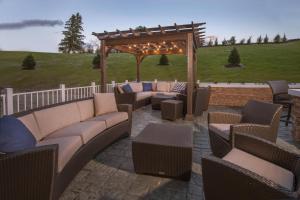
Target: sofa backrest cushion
[[147, 87], [14, 135], [136, 87], [105, 103], [52, 119], [86, 109], [127, 89], [163, 87], [30, 122]]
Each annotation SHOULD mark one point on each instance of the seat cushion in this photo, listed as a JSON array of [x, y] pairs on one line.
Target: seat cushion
[[261, 167], [222, 130], [30, 122], [86, 109], [52, 119], [163, 87], [105, 103], [67, 147], [136, 87], [143, 95], [86, 130], [111, 119]]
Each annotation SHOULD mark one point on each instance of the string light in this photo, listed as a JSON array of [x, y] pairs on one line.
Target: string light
[[180, 50]]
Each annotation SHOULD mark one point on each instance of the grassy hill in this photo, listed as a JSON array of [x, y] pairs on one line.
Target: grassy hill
[[262, 62]]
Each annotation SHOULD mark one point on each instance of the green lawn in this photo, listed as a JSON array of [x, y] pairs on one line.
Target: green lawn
[[262, 62]]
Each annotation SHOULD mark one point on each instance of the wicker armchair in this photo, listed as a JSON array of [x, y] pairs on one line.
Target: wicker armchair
[[28, 174], [226, 179], [257, 118]]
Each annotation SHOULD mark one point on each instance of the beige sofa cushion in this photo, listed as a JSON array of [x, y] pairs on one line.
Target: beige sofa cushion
[[86, 109], [136, 87], [261, 167], [67, 147], [86, 130], [111, 119], [30, 122], [143, 95], [52, 119], [163, 86], [105, 103], [222, 130]]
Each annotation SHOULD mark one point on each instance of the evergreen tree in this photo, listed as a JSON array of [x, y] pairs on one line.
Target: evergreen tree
[[140, 28], [163, 60], [242, 41], [73, 37], [216, 42], [234, 57], [224, 42], [266, 39], [210, 43], [96, 61], [249, 40], [28, 63], [284, 39], [277, 38], [232, 40], [259, 40]]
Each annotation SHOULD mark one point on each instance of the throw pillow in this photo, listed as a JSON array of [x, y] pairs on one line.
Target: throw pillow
[[179, 88], [147, 87], [105, 103], [14, 135], [127, 89]]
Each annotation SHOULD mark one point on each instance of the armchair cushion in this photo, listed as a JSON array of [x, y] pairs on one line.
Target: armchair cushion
[[143, 95], [222, 130], [14, 135], [261, 167], [105, 103], [111, 119], [127, 88]]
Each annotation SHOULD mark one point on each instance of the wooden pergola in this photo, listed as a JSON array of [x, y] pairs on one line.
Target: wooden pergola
[[177, 39]]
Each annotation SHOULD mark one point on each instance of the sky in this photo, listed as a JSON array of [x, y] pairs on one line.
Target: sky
[[37, 25]]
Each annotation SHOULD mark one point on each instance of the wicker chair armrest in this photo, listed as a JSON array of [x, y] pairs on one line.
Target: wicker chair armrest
[[268, 151], [126, 98], [126, 108], [224, 118], [258, 130], [224, 180], [28, 174]]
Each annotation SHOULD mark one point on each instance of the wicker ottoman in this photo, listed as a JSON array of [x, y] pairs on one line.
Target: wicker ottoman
[[164, 150], [171, 109]]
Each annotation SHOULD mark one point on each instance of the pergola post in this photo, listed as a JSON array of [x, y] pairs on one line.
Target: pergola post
[[190, 76], [103, 66]]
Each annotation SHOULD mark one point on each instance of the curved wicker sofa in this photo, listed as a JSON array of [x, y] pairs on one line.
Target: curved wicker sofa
[[37, 174]]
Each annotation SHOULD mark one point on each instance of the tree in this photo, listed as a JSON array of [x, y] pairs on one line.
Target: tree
[[210, 43], [234, 57], [73, 37], [96, 61], [28, 63], [232, 40], [249, 40], [266, 39], [216, 42], [140, 28], [242, 41], [163, 60], [259, 40], [284, 39], [277, 38], [224, 42]]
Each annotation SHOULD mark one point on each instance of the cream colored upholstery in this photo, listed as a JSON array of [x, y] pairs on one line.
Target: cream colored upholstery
[[52, 119], [86, 109], [261, 167], [222, 130], [105, 103], [136, 87], [163, 87], [143, 95], [119, 87], [86, 130], [154, 86], [30, 122], [111, 119], [67, 147]]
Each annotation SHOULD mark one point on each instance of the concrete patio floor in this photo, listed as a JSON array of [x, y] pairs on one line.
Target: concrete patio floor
[[110, 176]]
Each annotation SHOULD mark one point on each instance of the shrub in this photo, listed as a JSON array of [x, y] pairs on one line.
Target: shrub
[[96, 61], [163, 60], [232, 40], [28, 63], [234, 57], [277, 38], [242, 41]]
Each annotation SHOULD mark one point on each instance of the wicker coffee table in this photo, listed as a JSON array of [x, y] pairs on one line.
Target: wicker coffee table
[[164, 150], [158, 98]]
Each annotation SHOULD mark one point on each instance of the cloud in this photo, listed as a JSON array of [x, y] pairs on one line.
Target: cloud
[[30, 23]]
